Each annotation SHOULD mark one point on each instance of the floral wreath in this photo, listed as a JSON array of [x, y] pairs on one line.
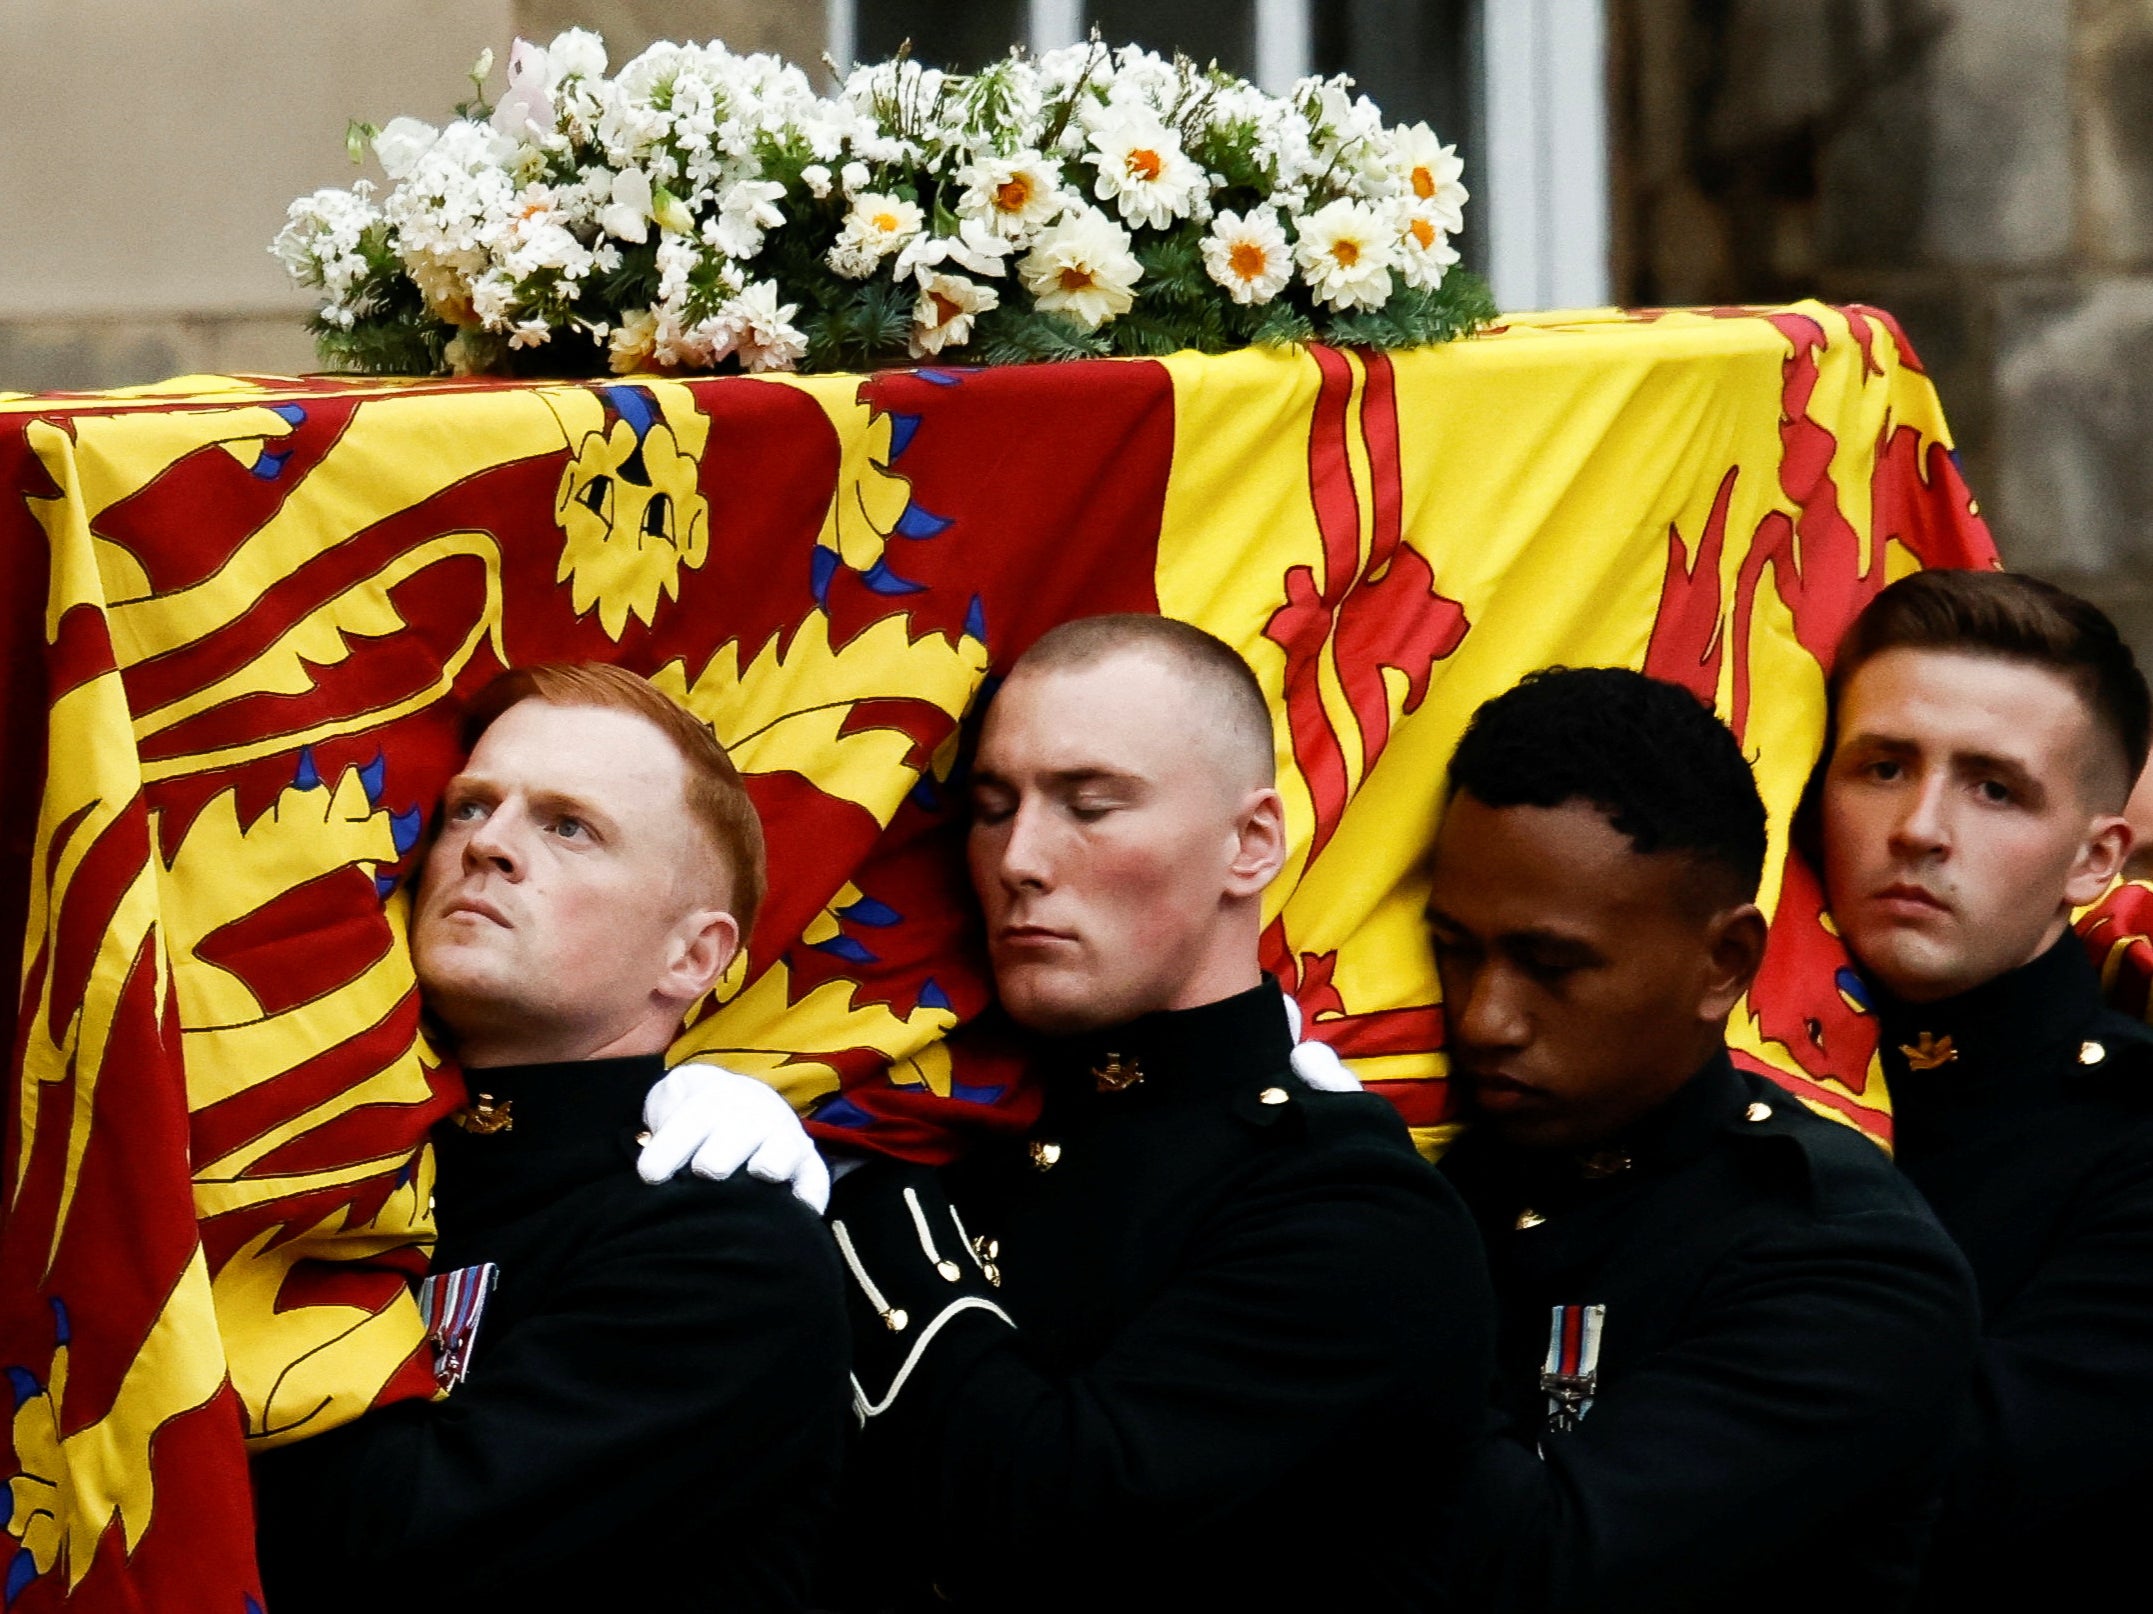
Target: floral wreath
[[702, 210]]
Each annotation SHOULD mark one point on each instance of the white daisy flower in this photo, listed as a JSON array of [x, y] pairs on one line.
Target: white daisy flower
[[1082, 267], [1345, 252], [944, 313], [1424, 250], [1429, 172], [1142, 169], [1248, 255], [878, 225], [1016, 195]]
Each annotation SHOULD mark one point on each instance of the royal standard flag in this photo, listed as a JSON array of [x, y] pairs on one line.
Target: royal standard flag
[[242, 615]]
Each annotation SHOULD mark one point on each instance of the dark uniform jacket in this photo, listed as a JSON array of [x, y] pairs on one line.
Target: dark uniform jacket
[[657, 1391], [1786, 1336], [2027, 1119], [1210, 1340]]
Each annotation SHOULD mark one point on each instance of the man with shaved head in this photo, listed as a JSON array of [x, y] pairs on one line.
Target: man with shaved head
[[1204, 1336]]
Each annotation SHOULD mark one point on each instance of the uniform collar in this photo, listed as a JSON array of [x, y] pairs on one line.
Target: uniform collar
[[1678, 1131], [531, 1130], [1213, 1048], [2023, 1021]]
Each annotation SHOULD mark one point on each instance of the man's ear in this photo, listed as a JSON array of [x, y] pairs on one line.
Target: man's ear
[[704, 944], [1259, 843], [2108, 843], [1735, 950]]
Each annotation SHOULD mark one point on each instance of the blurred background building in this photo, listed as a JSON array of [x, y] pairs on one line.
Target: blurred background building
[[1981, 168]]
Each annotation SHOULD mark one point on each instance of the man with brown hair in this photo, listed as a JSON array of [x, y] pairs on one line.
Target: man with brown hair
[[646, 1383], [1986, 733]]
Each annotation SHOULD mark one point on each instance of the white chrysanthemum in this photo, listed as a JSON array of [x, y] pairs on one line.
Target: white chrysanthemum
[[817, 180], [675, 346], [1346, 251], [1082, 267], [944, 313], [758, 330], [1016, 196], [1429, 172], [1424, 250], [878, 225], [630, 345], [1143, 171], [1248, 254]]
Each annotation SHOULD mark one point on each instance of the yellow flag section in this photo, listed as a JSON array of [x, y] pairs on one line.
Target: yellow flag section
[[1391, 540]]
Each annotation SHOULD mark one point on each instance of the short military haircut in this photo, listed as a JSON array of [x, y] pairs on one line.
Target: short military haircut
[[1211, 664], [1650, 756], [716, 798], [2012, 618]]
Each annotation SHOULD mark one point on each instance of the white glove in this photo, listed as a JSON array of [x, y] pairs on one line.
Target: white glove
[[1317, 1063], [719, 1122]]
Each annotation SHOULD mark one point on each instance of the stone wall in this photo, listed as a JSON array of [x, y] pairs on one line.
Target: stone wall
[[148, 149], [1983, 169]]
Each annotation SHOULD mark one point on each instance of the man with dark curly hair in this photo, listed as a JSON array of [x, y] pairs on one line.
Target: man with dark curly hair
[[1732, 1340]]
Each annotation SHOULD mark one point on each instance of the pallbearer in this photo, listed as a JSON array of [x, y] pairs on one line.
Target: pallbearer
[[1988, 730], [645, 1384], [1205, 1337], [1733, 1340]]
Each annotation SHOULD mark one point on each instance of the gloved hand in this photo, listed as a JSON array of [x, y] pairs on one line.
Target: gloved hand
[[913, 1270], [718, 1122], [1317, 1063]]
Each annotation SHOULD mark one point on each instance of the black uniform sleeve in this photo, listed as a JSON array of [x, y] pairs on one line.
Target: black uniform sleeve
[[1829, 1354], [2060, 1411], [698, 1342], [1326, 1292]]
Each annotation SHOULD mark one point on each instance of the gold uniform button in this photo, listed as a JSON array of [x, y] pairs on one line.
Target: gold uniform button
[[950, 1271], [1045, 1156], [1529, 1218], [642, 1138], [1272, 1095], [2091, 1053], [895, 1319], [1759, 1111]]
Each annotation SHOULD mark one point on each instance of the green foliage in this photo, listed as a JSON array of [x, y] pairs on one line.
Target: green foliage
[[863, 331], [383, 347], [1007, 335]]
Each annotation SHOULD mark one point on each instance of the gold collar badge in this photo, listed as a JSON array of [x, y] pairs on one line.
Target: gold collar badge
[[1927, 1052], [1116, 1075], [486, 1115]]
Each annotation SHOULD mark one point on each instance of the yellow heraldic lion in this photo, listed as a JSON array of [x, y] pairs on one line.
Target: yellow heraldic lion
[[302, 1368], [630, 512]]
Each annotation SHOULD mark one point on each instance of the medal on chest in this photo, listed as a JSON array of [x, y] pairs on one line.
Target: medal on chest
[[1571, 1377]]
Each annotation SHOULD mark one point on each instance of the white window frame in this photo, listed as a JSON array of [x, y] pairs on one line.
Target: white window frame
[[1541, 185]]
